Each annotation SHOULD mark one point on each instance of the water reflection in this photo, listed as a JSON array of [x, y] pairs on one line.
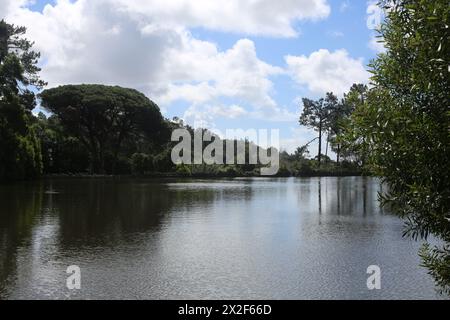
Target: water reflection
[[229, 238]]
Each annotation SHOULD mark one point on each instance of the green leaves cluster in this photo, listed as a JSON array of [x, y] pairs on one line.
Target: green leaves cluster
[[20, 151]]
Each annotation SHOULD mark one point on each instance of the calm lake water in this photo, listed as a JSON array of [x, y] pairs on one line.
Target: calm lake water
[[294, 238]]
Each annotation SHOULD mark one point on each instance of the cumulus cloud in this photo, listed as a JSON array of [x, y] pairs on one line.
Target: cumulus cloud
[[87, 41], [5, 7], [256, 17], [324, 71], [236, 72], [204, 115], [150, 48], [253, 17]]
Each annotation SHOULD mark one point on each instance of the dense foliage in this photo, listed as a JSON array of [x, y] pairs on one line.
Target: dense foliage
[[104, 118], [20, 154]]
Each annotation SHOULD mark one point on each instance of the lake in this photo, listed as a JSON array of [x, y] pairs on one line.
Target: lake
[[243, 238]]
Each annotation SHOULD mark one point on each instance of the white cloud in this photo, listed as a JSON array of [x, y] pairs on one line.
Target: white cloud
[[204, 115], [86, 41], [232, 112], [324, 71], [256, 17], [236, 73], [151, 49], [277, 114], [9, 6]]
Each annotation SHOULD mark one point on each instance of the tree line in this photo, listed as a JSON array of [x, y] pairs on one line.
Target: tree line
[[87, 129], [330, 116], [96, 129]]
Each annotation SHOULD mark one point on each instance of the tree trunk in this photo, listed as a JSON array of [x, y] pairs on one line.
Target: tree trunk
[[319, 157], [115, 156], [102, 161], [338, 153], [120, 138], [98, 158], [97, 162]]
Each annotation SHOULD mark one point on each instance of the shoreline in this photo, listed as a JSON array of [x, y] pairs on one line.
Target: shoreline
[[198, 176], [161, 175]]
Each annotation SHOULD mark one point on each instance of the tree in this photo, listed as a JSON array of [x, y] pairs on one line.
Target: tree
[[404, 123], [103, 117], [323, 115], [20, 155], [339, 121], [334, 115], [314, 115]]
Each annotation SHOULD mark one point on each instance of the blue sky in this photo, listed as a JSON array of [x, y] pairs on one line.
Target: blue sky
[[226, 67]]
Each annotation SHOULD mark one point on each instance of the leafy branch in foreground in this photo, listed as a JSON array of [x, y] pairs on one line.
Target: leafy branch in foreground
[[20, 155], [403, 126]]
